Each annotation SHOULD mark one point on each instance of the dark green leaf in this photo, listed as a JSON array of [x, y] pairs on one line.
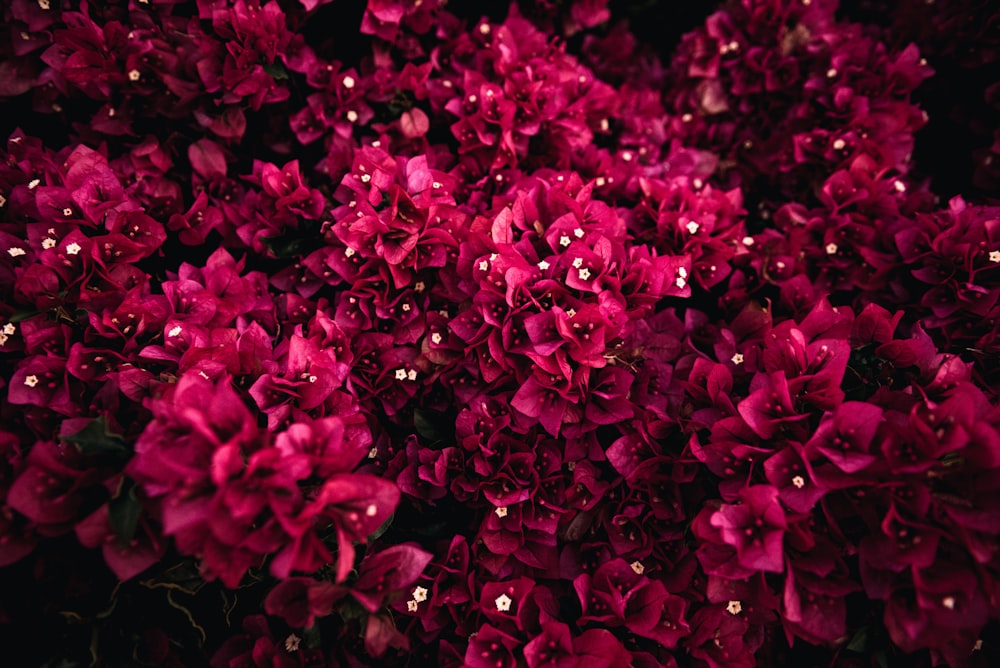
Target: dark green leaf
[[426, 425], [276, 71], [287, 246], [382, 529], [96, 439], [123, 513], [21, 316], [860, 642]]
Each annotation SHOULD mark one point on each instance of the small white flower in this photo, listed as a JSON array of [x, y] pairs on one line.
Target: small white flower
[[697, 183], [543, 265], [436, 338], [371, 510], [899, 186], [501, 511], [349, 82], [292, 643], [436, 185], [33, 183], [204, 375], [484, 265], [577, 263], [352, 115], [15, 251], [584, 274], [10, 329], [473, 99], [311, 379], [67, 212], [692, 227], [411, 374], [412, 605], [687, 118], [175, 331], [638, 567], [627, 156], [3, 200], [349, 252], [3, 340], [134, 75], [948, 602], [839, 144], [680, 282], [600, 181], [578, 233], [406, 308], [373, 453], [31, 380], [44, 4], [484, 28], [419, 286], [737, 358], [365, 178], [748, 241], [400, 374], [682, 272], [799, 482], [995, 256], [734, 607], [605, 125], [570, 313], [73, 248], [831, 73], [503, 602], [564, 241], [831, 248]]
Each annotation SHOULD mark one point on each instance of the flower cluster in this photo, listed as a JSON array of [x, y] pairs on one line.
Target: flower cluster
[[387, 332]]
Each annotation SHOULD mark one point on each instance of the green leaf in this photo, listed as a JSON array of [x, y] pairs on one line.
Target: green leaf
[[21, 316], [96, 439], [123, 512], [288, 246], [426, 425], [860, 642], [375, 535], [276, 71]]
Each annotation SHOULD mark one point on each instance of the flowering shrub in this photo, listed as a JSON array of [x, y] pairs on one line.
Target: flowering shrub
[[402, 332]]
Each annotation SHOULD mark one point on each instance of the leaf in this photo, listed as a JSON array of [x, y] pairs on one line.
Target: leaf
[[860, 642], [375, 535], [21, 316], [288, 246], [276, 71], [123, 513], [96, 439], [425, 423]]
